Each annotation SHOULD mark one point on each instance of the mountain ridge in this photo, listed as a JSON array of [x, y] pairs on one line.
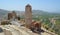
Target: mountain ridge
[[34, 12]]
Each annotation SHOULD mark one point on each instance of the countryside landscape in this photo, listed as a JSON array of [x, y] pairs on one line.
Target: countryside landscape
[[30, 20]]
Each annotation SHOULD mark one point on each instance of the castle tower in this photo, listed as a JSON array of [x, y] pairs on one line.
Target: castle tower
[[28, 15]]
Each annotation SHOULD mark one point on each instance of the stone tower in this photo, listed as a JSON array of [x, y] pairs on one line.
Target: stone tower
[[28, 15]]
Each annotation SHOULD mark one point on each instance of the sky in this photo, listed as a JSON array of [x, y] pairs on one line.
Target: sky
[[45, 5]]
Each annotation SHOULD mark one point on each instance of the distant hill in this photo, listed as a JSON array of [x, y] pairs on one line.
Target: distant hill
[[41, 12], [44, 14], [3, 13]]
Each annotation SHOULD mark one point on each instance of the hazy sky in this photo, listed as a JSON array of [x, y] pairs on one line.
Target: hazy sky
[[46, 5]]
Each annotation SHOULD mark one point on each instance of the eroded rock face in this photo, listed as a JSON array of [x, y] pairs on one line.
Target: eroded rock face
[[5, 23], [1, 30], [6, 32]]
